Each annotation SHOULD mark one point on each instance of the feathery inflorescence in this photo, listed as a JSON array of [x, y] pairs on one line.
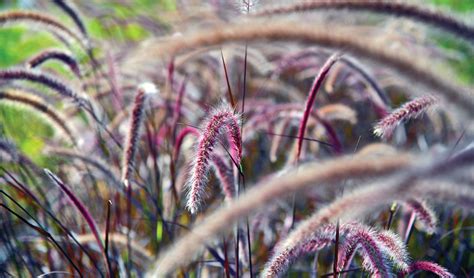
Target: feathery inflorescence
[[83, 210], [412, 109], [71, 10], [45, 80], [364, 240], [133, 135], [225, 174], [425, 216], [374, 247], [416, 12], [403, 64], [273, 59], [56, 54], [429, 267], [222, 122], [41, 19], [354, 205]]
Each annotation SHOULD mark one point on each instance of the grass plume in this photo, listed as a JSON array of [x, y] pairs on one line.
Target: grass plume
[[429, 16], [412, 109], [222, 122]]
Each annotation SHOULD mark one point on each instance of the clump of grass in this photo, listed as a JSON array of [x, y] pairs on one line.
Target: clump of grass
[[405, 65], [343, 175], [375, 248], [425, 216]]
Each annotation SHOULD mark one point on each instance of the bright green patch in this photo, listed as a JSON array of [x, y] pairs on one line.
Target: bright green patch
[[159, 230], [18, 44], [458, 5], [26, 129]]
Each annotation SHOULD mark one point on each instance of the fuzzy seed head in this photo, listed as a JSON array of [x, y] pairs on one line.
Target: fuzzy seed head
[[393, 246], [409, 110], [222, 121], [425, 216], [370, 250], [430, 267], [133, 135]]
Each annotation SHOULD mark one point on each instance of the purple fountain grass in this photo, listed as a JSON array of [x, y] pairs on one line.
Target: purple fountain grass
[[279, 265], [433, 17], [260, 195], [129, 153], [318, 81], [221, 119], [370, 249], [425, 216], [69, 8], [372, 245], [188, 130], [223, 171], [395, 249], [429, 267], [133, 135], [225, 174], [41, 19], [412, 109], [350, 206], [84, 212], [46, 80], [405, 65], [56, 54], [381, 103]]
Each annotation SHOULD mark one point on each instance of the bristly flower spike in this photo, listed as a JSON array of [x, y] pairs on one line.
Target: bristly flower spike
[[56, 54], [411, 109], [133, 135], [428, 266], [225, 175], [370, 249], [394, 248], [41, 19], [46, 80], [425, 216], [71, 10], [222, 121]]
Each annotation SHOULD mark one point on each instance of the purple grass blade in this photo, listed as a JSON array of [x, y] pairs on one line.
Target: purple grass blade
[[83, 210]]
